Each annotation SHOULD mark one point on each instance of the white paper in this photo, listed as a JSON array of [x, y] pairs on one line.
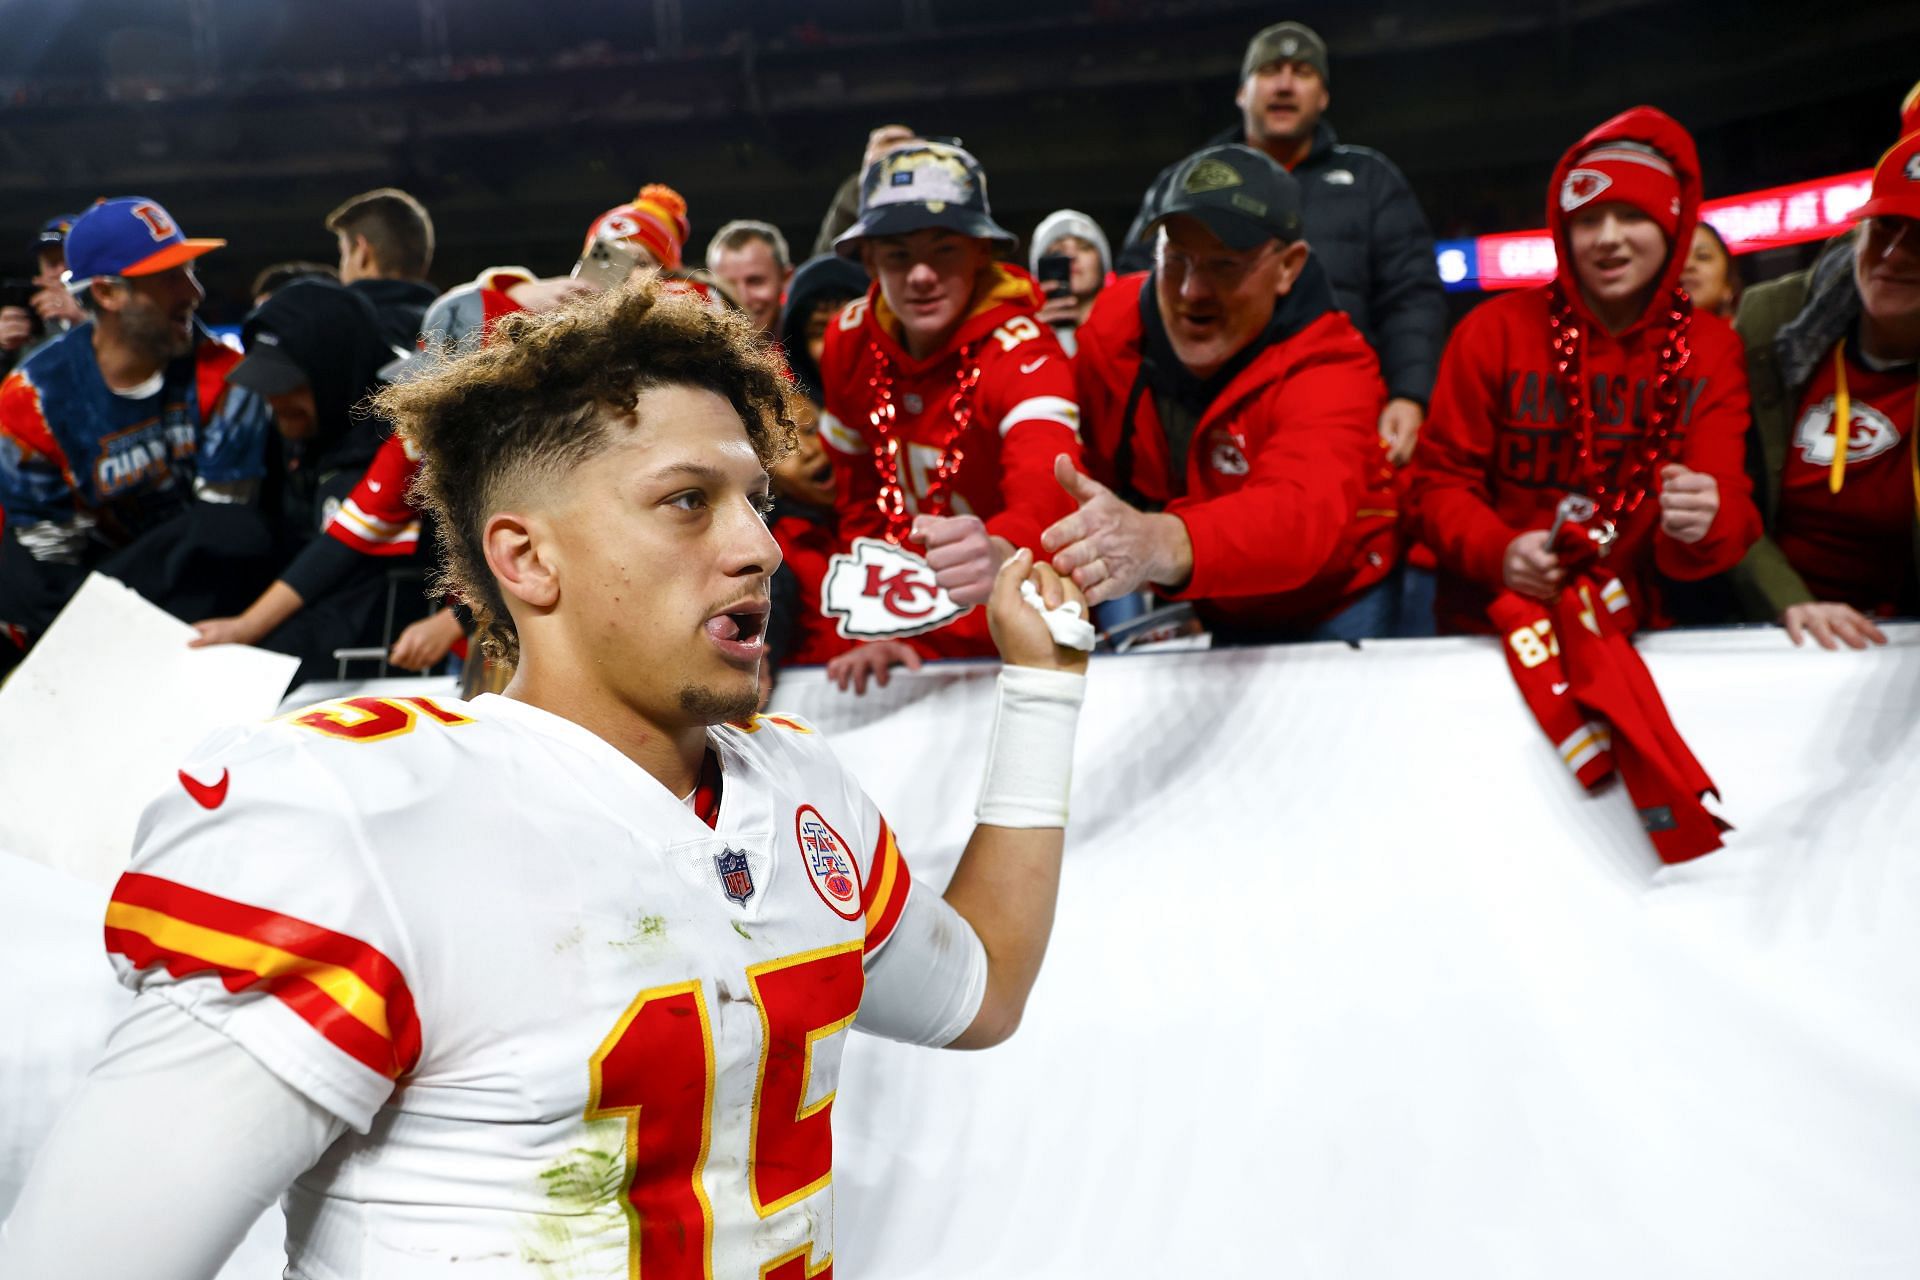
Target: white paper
[[96, 720]]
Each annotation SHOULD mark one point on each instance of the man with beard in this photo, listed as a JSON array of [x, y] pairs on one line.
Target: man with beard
[[117, 428], [1361, 218]]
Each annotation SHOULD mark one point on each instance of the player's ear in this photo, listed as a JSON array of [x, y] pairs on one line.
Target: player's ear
[[521, 559]]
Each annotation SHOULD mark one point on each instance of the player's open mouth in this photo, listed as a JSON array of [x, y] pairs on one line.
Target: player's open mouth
[[740, 633]]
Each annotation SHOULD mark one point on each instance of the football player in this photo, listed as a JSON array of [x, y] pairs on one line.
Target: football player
[[550, 982]]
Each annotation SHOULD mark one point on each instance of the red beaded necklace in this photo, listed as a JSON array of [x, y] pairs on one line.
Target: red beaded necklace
[[1619, 496], [887, 446]]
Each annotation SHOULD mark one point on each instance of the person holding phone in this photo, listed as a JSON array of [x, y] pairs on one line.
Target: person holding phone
[[1072, 262]]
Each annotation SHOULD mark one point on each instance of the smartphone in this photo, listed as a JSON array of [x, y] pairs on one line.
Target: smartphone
[[17, 292], [606, 264], [1055, 274]]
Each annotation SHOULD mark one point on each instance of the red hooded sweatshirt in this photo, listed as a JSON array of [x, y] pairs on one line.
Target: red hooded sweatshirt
[[1499, 449], [1287, 495]]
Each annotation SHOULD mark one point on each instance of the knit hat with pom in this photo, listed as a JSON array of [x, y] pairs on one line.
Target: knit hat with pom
[[656, 220]]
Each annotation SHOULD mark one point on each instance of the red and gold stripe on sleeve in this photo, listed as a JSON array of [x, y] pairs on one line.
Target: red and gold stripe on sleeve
[[887, 882], [347, 991]]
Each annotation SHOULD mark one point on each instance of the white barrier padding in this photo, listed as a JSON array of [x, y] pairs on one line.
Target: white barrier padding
[[1351, 979], [96, 719]]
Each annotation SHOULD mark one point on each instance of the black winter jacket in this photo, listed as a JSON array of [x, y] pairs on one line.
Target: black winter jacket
[[1365, 226]]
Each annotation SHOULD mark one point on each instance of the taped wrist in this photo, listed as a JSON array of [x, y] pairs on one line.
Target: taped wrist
[[1030, 752]]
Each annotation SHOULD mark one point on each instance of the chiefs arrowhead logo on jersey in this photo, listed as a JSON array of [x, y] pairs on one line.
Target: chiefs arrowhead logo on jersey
[[1582, 185], [1227, 452], [880, 591], [1871, 433], [829, 862]]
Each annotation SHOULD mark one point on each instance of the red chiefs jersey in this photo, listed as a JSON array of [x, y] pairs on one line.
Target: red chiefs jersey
[[1024, 415], [376, 519], [1855, 546], [805, 547]]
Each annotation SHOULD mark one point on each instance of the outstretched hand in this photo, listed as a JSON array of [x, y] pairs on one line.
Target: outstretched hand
[[871, 661], [1110, 548]]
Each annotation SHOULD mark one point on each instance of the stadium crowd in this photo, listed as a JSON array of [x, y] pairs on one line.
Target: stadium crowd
[[1248, 419]]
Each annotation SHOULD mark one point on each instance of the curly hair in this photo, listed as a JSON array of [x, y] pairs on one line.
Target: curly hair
[[544, 395]]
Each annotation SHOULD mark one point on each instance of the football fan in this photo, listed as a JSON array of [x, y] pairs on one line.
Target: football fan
[[120, 427], [946, 405], [1584, 435], [1838, 344], [314, 351], [752, 260], [556, 977], [1234, 412]]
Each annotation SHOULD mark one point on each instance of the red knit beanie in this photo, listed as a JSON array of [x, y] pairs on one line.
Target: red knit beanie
[[656, 220], [1631, 173]]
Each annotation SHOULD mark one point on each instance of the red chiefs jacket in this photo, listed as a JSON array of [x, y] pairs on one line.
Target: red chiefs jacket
[[1023, 416], [1288, 497], [1499, 450]]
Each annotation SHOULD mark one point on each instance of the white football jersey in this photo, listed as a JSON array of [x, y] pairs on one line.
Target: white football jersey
[[573, 1029]]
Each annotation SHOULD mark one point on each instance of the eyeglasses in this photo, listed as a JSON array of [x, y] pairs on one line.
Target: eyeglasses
[[1222, 271]]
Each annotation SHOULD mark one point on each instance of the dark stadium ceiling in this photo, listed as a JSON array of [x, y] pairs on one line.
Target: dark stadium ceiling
[[518, 121]]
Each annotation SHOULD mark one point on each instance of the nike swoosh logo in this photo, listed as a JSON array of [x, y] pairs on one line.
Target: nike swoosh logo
[[207, 797], [1029, 368], [1560, 688]]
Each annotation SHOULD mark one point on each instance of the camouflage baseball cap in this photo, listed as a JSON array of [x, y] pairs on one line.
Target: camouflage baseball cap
[[1285, 42], [924, 184], [1241, 195]]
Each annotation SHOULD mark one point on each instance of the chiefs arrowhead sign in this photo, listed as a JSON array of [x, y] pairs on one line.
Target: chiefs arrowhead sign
[[882, 592]]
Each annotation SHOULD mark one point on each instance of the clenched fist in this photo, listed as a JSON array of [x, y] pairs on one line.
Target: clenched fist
[[1689, 500]]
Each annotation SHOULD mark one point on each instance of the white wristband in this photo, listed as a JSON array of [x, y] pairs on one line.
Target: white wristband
[[1030, 754]]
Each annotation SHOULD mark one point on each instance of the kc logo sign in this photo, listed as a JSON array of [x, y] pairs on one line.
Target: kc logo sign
[[881, 592]]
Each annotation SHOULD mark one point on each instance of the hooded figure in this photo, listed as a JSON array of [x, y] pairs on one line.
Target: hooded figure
[[828, 278], [1605, 383], [314, 350]]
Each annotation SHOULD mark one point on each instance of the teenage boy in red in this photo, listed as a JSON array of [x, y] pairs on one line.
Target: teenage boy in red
[[1605, 383], [1234, 410], [946, 405]]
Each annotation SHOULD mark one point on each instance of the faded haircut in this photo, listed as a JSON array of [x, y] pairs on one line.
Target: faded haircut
[[545, 394], [396, 226], [742, 232]]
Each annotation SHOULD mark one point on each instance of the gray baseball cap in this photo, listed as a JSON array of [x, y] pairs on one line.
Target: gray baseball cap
[[1240, 194], [1285, 42]]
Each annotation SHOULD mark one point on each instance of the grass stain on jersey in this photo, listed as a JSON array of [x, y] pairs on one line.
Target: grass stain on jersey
[[569, 940], [585, 1179], [739, 929], [648, 931], [585, 1186]]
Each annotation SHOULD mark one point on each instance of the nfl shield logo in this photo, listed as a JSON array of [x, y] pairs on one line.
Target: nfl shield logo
[[736, 877]]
